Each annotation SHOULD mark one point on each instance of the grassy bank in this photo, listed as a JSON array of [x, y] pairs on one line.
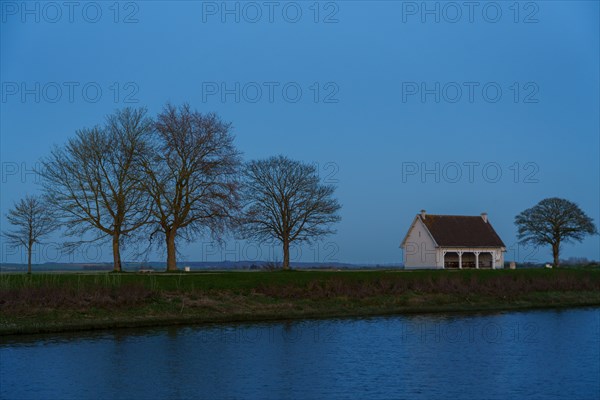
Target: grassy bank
[[60, 302]]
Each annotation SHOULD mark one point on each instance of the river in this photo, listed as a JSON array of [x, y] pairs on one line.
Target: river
[[536, 354]]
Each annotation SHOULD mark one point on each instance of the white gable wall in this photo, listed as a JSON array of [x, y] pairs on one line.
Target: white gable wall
[[419, 248]]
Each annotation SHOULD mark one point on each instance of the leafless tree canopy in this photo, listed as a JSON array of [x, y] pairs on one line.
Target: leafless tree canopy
[[178, 176], [32, 221], [285, 200], [554, 221], [191, 176], [93, 182]]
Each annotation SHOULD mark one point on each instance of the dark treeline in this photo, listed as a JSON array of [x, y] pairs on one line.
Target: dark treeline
[[136, 179]]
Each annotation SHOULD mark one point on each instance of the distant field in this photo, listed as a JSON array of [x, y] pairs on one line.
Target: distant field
[[54, 302]]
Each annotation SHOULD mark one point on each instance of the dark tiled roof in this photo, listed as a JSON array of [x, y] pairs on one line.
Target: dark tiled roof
[[461, 231]]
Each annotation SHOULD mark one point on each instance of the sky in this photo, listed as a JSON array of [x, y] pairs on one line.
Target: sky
[[449, 107]]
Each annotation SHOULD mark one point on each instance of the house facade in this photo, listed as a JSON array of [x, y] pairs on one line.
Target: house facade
[[452, 241]]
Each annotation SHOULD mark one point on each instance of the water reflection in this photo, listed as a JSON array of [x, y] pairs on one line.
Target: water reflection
[[537, 354]]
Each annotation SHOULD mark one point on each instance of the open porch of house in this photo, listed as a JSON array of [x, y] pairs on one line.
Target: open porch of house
[[464, 259]]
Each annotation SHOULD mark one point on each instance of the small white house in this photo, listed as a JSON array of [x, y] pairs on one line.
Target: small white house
[[452, 241]]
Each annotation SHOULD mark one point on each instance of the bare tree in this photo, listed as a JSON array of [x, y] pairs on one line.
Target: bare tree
[[285, 200], [32, 221], [191, 177], [93, 182], [554, 221]]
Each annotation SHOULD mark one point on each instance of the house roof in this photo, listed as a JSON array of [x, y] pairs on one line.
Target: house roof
[[461, 231]]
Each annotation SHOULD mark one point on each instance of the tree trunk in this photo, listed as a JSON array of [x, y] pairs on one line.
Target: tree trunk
[[116, 253], [171, 256], [286, 255], [555, 248], [29, 258]]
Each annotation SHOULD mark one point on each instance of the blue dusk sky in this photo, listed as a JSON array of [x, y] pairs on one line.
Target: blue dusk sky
[[452, 108]]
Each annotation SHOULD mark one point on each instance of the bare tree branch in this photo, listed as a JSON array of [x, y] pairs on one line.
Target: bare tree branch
[[284, 200], [554, 221], [32, 220], [93, 182], [191, 176]]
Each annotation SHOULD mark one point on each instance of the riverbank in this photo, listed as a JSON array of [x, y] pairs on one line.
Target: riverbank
[[43, 303]]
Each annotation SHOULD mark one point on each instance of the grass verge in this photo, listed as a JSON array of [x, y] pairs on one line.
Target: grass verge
[[62, 302]]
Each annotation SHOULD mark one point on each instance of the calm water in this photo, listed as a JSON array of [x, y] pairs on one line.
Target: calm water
[[534, 355]]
